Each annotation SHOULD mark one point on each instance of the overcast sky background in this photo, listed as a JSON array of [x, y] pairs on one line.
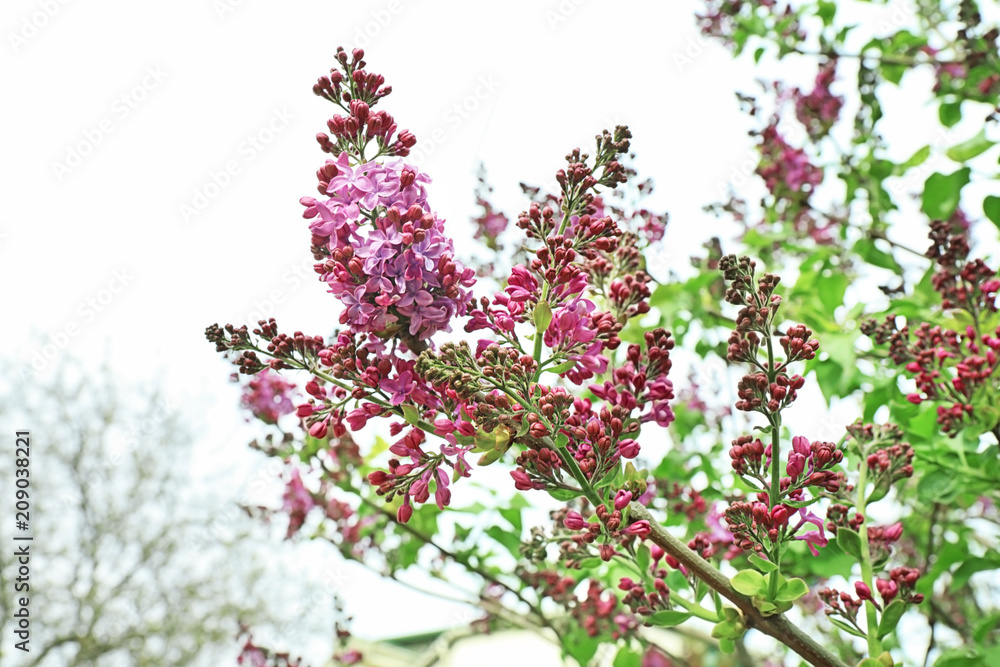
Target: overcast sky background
[[154, 155]]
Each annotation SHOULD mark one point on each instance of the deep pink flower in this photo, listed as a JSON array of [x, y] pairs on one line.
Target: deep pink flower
[[268, 396]]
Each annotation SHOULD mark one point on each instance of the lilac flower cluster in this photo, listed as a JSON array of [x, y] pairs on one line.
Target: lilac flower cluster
[[267, 396], [388, 258]]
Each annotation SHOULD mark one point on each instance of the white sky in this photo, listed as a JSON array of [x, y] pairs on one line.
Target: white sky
[[159, 96]]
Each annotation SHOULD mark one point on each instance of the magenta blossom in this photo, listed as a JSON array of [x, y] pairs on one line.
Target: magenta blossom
[[814, 538]]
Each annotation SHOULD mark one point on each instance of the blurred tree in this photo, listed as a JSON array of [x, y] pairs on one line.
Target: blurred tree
[[127, 568]]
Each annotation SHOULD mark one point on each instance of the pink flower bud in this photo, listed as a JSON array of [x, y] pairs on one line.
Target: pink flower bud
[[404, 513], [318, 430], [574, 521], [893, 532], [800, 445], [641, 529], [657, 552], [622, 499], [887, 589], [915, 399], [607, 552], [628, 448], [861, 588], [796, 465], [779, 515]]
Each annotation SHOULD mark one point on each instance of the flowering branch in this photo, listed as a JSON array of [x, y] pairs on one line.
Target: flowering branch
[[776, 626]]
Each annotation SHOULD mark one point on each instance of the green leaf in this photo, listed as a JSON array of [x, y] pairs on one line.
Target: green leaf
[[870, 662], [942, 193], [991, 207], [411, 414], [513, 517], [750, 583], [509, 540], [890, 618], [871, 253], [971, 148], [643, 556], [831, 290], [938, 486], [562, 368], [543, 316], [764, 566], [850, 542], [608, 477], [914, 160], [564, 495], [580, 645], [626, 657], [961, 576], [792, 590], [724, 630], [950, 113], [590, 563], [985, 626], [849, 629], [668, 619]]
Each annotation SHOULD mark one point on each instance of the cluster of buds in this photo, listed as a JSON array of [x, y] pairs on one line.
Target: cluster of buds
[[948, 367], [355, 91], [255, 655], [286, 351], [413, 480], [641, 601], [969, 285], [755, 526], [819, 109], [901, 583], [880, 541], [757, 394], [787, 171], [839, 603], [891, 463], [620, 279], [723, 18], [888, 458], [839, 515], [268, 396], [598, 612]]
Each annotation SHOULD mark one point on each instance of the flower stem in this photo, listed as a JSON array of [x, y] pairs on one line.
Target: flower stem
[[874, 643]]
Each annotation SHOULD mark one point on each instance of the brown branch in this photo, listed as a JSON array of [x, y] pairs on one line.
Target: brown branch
[[776, 626]]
